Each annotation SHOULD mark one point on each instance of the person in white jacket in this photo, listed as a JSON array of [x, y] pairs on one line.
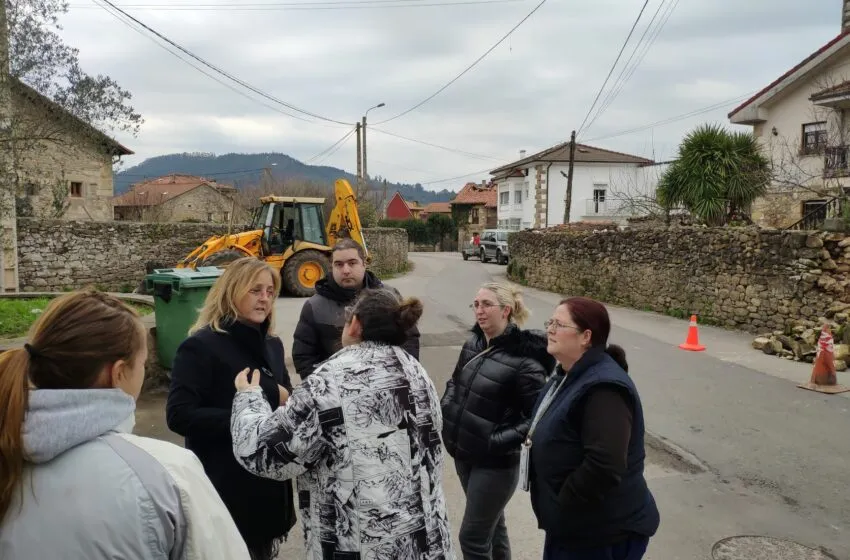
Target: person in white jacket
[[362, 436], [74, 482]]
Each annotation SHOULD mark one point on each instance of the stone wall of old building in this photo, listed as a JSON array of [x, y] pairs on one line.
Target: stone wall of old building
[[56, 255], [744, 278], [63, 172]]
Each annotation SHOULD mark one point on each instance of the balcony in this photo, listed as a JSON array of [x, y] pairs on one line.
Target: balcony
[[594, 207], [836, 162]]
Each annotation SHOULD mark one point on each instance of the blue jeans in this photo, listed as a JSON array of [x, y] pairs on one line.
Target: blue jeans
[[631, 549]]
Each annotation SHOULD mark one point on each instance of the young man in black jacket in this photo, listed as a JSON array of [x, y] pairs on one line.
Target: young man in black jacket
[[318, 334]]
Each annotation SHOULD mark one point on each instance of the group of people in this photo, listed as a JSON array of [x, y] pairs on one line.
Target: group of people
[[553, 412]]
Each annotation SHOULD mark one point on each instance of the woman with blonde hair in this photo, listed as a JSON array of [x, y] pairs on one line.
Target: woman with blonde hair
[[234, 331], [74, 482], [487, 409]]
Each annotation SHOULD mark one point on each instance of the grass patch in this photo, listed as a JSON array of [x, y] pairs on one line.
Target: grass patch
[[17, 315]]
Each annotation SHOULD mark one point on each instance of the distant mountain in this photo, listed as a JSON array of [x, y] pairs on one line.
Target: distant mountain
[[243, 170]]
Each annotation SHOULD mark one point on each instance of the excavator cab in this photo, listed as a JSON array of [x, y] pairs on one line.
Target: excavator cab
[[284, 221]]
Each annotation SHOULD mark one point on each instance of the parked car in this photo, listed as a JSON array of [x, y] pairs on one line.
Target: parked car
[[494, 245]]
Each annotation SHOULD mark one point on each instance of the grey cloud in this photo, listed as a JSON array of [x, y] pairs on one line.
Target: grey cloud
[[528, 94]]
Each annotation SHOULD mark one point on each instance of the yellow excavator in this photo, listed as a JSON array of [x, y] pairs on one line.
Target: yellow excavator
[[289, 233]]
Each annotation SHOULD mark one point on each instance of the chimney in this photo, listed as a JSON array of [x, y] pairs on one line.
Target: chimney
[[522, 152], [845, 16]]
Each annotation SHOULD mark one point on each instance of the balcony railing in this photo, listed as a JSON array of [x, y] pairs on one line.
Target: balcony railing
[[816, 216], [836, 161], [594, 207]]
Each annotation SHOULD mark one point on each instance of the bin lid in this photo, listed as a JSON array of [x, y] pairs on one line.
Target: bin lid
[[202, 277]]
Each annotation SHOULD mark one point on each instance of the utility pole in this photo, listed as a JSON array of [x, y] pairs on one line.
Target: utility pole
[[8, 212], [384, 201], [569, 198], [363, 155], [359, 160]]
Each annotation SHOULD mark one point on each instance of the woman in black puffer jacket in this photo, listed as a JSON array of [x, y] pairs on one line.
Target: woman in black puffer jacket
[[487, 410]]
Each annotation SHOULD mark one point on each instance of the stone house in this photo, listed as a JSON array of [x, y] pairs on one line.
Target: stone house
[[180, 198], [607, 186], [64, 164], [63, 170], [800, 120], [474, 210]]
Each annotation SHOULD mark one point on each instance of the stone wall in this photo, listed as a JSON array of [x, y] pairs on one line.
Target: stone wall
[[388, 249], [744, 278], [58, 255]]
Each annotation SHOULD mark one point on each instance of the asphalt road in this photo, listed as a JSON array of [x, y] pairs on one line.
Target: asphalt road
[[762, 457]]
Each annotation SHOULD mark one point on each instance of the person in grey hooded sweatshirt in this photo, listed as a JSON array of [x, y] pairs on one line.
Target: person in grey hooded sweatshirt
[[74, 483]]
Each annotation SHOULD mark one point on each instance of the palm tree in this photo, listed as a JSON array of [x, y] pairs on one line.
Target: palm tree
[[718, 174]]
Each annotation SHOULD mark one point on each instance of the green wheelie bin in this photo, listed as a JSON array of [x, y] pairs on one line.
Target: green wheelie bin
[[178, 294]]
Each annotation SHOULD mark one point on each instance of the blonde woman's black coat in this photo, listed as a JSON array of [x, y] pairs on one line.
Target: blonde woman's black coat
[[199, 406]]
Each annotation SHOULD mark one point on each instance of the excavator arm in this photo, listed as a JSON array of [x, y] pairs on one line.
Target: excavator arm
[[344, 221]]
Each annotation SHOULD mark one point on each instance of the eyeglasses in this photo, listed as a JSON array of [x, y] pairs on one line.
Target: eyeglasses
[[483, 305], [553, 324]]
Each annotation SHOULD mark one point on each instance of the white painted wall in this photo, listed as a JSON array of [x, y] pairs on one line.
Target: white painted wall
[[614, 179], [513, 214]]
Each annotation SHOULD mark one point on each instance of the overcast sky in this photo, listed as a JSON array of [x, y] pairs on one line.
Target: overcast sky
[[353, 54]]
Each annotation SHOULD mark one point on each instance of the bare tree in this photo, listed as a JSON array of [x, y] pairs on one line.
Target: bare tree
[[635, 194]]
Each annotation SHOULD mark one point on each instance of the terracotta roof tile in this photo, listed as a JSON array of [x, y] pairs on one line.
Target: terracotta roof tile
[[474, 193], [156, 191], [439, 208], [583, 154]]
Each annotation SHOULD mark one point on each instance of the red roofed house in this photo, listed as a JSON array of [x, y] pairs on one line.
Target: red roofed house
[[474, 209], [444, 208], [400, 209], [799, 119], [178, 198]]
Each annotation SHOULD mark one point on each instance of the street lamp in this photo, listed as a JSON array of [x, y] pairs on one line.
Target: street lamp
[[363, 132]]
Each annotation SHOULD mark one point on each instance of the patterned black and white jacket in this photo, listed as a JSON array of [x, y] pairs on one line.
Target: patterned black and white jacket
[[362, 436]]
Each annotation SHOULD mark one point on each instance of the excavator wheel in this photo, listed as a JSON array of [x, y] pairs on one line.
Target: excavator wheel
[[222, 258], [302, 270]]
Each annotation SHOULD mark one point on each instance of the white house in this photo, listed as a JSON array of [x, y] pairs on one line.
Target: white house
[[800, 120], [607, 186]]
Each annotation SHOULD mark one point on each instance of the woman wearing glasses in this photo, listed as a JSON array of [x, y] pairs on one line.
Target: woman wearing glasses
[[586, 445], [487, 409]]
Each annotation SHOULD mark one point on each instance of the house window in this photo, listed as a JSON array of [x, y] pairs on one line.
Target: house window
[[814, 137], [227, 216], [473, 215], [517, 197], [209, 216], [76, 189], [599, 200], [31, 189], [504, 198]]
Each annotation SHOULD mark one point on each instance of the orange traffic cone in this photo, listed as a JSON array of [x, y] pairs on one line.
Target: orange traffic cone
[[824, 379], [692, 342]]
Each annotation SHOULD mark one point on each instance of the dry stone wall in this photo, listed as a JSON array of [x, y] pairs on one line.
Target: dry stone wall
[[745, 278], [62, 255]]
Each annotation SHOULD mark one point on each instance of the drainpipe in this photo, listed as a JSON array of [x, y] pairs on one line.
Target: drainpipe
[[547, 192]]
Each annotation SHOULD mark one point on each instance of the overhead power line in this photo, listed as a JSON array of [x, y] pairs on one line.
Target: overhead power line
[[627, 72], [299, 6], [424, 143], [330, 150], [613, 66], [456, 178], [468, 68], [217, 69], [676, 118]]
